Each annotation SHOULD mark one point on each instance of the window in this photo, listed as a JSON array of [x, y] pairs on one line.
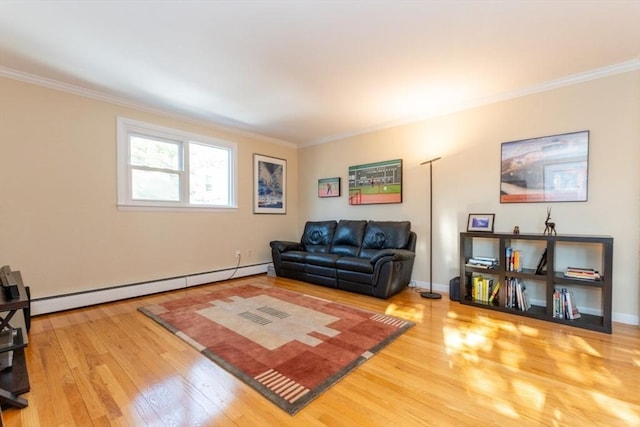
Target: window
[[160, 167]]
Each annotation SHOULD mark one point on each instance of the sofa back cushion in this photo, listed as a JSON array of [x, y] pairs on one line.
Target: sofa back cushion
[[318, 235], [348, 237], [385, 235]]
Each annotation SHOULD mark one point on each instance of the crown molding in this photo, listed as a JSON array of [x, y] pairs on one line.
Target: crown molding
[[103, 97], [598, 73], [611, 70]]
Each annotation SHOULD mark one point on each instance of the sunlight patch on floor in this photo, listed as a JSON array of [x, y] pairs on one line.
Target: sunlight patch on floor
[[512, 355], [584, 346], [414, 314], [528, 392], [466, 343], [489, 354], [506, 409], [616, 408]]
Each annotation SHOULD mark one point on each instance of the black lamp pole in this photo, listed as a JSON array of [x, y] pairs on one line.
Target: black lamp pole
[[430, 294]]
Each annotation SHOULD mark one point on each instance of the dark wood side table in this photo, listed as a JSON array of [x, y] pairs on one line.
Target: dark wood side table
[[14, 380]]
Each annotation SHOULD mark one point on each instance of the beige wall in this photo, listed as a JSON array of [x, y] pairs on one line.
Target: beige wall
[[61, 227], [467, 177], [58, 217]]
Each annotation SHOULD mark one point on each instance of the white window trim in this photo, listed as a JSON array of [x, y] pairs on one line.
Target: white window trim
[[127, 126]]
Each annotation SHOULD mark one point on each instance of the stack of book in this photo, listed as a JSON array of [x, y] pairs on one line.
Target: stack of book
[[517, 297], [513, 260], [582, 273], [564, 306], [482, 262], [483, 290]]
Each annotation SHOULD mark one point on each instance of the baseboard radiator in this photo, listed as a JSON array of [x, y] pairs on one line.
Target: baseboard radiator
[[98, 296]]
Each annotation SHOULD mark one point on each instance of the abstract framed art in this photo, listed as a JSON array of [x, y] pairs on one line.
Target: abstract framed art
[[269, 185]]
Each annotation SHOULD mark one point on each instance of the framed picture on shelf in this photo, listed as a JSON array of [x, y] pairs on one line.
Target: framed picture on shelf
[[269, 185], [480, 222], [329, 187], [546, 169], [375, 183]]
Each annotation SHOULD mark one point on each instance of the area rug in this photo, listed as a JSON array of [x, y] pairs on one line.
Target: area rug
[[288, 346]]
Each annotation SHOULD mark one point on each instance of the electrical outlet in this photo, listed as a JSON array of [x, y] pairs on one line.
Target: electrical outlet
[[249, 254], [238, 253]]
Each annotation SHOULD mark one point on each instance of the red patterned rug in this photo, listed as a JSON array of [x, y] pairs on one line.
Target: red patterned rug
[[288, 346]]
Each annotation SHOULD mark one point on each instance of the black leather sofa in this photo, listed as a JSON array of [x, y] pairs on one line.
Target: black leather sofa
[[368, 257]]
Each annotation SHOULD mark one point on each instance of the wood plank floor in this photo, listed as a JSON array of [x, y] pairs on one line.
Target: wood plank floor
[[109, 365]]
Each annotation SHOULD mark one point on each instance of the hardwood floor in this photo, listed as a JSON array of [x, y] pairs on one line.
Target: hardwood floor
[[109, 365]]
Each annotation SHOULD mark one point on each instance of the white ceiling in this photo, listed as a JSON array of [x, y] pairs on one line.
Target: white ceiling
[[312, 71]]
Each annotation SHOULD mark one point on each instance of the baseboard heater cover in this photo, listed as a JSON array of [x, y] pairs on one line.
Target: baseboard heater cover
[[98, 296]]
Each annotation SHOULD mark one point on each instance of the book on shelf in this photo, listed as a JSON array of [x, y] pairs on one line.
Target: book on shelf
[[564, 306], [558, 306], [486, 258], [494, 293], [482, 262], [516, 297], [581, 273], [542, 264], [525, 304], [522, 300], [510, 301], [481, 289], [508, 253], [513, 259], [572, 309], [471, 264], [581, 269]]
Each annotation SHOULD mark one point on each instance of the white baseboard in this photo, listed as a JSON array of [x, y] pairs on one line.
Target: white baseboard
[[425, 285], [629, 319], [99, 296]]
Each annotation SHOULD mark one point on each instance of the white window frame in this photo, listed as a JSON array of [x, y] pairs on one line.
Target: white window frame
[[127, 127]]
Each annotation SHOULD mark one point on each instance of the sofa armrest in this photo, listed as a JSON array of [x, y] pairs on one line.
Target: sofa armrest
[[283, 246], [395, 254]]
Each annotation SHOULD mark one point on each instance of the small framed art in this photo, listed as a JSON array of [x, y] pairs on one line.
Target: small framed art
[[329, 187], [480, 222]]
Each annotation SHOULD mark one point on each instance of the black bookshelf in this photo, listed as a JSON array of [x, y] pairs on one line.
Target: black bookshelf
[[14, 380], [548, 280]]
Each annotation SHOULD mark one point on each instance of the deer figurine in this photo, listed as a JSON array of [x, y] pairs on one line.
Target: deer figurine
[[550, 227]]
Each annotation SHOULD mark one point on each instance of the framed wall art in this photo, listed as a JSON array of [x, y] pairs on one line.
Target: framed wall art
[[480, 222], [329, 187], [546, 169], [269, 185], [375, 183]]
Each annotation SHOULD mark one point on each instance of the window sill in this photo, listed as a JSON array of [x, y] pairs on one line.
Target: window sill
[[157, 208]]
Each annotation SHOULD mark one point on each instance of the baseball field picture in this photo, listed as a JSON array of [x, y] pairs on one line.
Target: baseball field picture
[[376, 183]]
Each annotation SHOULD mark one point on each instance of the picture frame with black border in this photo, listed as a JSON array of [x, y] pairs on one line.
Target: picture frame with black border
[[482, 222], [329, 187]]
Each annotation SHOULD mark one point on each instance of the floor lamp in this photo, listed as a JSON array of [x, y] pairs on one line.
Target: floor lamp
[[430, 294]]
